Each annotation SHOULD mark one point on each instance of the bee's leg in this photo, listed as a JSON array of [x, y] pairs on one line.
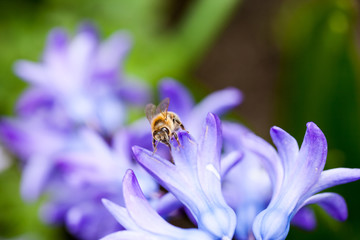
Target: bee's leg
[[168, 144], [176, 138], [154, 145], [181, 125]]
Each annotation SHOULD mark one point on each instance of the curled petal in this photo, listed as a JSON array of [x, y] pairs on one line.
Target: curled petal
[[332, 203]]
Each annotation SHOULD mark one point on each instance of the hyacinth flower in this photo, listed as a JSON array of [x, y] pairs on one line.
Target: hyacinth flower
[[247, 187], [79, 81], [195, 177], [193, 116], [141, 220], [297, 177]]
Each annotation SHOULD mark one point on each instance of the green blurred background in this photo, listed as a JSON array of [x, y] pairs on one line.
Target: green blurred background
[[295, 61]]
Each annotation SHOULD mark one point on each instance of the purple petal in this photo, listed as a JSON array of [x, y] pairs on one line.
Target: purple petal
[[209, 156], [181, 100], [121, 145], [13, 136], [56, 47], [332, 203], [140, 210], [32, 100], [167, 204], [334, 177], [31, 72], [305, 219], [286, 145], [185, 155], [90, 220], [267, 156], [175, 178], [135, 92], [110, 55], [310, 162], [219, 102], [81, 58], [88, 28], [121, 215], [111, 112], [128, 235], [229, 161], [160, 168], [35, 177]]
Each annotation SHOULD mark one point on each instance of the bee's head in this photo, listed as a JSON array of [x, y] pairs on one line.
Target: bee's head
[[162, 134]]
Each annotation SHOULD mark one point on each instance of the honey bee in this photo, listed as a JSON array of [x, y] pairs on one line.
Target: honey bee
[[164, 123]]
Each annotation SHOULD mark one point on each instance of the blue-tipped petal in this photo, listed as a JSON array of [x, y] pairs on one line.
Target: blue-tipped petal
[[286, 145], [57, 43], [312, 155], [332, 203], [181, 101]]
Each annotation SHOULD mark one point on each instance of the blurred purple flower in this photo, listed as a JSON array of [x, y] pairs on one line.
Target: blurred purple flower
[[195, 177], [141, 220], [296, 176], [80, 80]]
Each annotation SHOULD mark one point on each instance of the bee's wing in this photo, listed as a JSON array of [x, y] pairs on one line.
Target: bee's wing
[[150, 111], [163, 106]]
